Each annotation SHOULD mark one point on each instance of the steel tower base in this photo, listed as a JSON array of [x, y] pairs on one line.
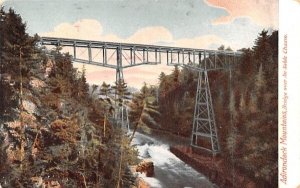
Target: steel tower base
[[204, 133]]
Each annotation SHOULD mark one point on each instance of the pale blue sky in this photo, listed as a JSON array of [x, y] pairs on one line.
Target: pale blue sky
[[183, 18], [179, 22]]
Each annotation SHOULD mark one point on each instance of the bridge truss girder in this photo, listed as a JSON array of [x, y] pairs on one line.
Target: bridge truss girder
[[107, 54]]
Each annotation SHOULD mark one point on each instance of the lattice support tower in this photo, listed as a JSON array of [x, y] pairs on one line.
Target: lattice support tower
[[204, 132]]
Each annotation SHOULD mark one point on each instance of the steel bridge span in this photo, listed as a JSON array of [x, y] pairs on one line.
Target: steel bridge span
[[119, 56]]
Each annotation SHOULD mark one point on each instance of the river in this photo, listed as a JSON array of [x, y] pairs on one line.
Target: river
[[170, 171]]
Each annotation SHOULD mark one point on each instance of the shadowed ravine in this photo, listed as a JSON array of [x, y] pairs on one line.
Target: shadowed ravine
[[169, 170]]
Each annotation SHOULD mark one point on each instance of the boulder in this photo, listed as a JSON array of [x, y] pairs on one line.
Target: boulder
[[49, 67], [30, 107], [37, 181], [146, 167], [37, 83], [51, 184], [141, 183]]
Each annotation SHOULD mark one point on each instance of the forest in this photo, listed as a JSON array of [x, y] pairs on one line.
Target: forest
[[245, 106], [55, 129]]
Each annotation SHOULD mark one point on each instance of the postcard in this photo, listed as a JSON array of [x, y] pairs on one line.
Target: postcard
[[152, 93]]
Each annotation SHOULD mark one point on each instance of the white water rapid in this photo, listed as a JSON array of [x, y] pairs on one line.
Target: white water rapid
[[170, 171]]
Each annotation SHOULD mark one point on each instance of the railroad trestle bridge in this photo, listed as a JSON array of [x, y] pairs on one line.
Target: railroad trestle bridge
[[120, 56]]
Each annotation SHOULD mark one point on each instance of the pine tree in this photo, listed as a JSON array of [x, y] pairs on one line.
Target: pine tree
[[144, 110], [94, 89], [262, 50], [247, 65], [187, 77], [121, 92], [136, 107], [162, 76], [83, 87], [17, 54], [105, 90], [163, 85], [55, 144], [175, 75], [260, 79]]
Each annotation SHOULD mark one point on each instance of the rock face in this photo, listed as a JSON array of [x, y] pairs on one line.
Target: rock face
[[140, 183], [38, 182], [49, 66], [37, 83], [146, 167], [29, 106]]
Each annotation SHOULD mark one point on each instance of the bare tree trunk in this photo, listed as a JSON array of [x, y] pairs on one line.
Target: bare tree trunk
[[104, 125], [120, 165], [136, 126], [133, 132], [22, 147]]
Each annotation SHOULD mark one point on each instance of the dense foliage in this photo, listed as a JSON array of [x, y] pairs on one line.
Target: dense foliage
[[245, 105], [53, 131]]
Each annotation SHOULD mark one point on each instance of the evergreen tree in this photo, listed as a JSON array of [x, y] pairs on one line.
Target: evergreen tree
[[163, 85], [260, 79], [105, 90], [83, 87], [137, 104], [51, 133], [251, 101], [94, 89], [144, 111], [263, 51], [175, 75], [121, 92]]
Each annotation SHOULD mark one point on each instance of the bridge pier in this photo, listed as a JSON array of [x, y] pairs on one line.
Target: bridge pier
[[121, 112], [204, 132]]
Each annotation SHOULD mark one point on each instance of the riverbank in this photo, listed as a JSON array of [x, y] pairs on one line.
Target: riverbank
[[171, 138], [214, 168], [139, 181]]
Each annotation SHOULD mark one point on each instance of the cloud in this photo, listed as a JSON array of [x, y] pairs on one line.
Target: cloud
[[83, 29], [201, 42], [97, 77], [135, 76], [262, 12], [151, 35], [90, 29]]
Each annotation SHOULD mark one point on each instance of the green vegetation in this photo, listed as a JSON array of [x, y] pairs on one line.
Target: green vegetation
[[144, 111], [245, 106], [52, 130]]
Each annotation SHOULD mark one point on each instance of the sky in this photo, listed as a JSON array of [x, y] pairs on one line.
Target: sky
[[185, 23]]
